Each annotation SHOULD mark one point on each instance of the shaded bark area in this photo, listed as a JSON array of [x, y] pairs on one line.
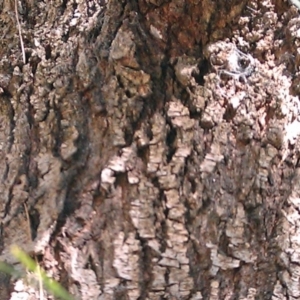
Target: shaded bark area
[[156, 146]]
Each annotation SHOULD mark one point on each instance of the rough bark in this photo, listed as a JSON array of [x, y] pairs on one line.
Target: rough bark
[[156, 146]]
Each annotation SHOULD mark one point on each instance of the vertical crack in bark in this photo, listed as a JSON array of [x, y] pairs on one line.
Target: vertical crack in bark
[[156, 145]]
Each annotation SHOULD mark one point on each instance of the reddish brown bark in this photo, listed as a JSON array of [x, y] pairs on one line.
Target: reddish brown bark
[[155, 144]]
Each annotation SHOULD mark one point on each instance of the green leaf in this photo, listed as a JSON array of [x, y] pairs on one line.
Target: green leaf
[[50, 284], [10, 270]]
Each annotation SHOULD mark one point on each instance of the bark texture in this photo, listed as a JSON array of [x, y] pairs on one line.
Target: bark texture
[[156, 146]]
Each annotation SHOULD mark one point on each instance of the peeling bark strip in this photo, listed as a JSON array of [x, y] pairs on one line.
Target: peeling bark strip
[[156, 146]]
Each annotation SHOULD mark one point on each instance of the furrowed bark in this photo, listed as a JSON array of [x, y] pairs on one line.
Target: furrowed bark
[[155, 144]]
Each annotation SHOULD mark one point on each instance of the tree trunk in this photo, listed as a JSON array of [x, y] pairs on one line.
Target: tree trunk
[[155, 145]]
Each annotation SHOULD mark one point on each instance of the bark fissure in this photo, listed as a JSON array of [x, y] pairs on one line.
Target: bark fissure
[[156, 146]]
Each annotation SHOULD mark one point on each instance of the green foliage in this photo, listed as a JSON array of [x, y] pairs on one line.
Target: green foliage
[[51, 285], [10, 270]]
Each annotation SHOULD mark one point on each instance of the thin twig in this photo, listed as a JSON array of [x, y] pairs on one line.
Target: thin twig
[[20, 32]]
